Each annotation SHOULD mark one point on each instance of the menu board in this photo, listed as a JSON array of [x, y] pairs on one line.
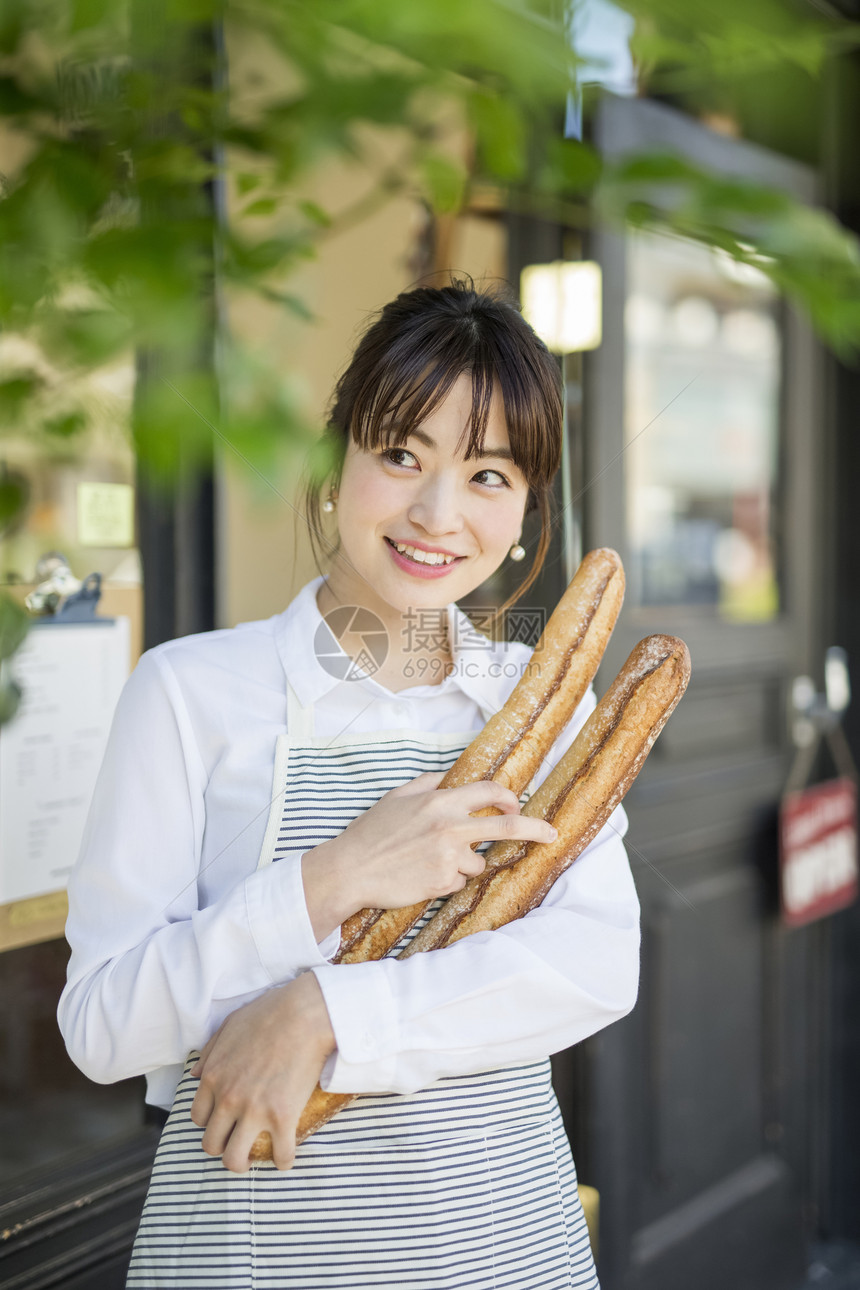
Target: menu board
[[50, 752]]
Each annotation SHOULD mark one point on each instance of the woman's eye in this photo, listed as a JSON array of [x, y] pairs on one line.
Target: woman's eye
[[503, 482], [393, 455]]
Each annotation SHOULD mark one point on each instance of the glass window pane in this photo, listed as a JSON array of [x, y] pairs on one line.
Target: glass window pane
[[702, 396], [48, 1109]]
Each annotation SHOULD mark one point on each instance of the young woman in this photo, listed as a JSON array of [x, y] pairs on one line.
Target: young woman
[[265, 782]]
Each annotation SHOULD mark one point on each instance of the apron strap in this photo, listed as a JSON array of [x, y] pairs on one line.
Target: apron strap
[[300, 721]]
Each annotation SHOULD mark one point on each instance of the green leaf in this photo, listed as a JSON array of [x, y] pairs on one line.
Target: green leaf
[[10, 696], [175, 423], [14, 622], [652, 167], [15, 392], [84, 15], [315, 213], [15, 101], [262, 206], [569, 167], [444, 180], [14, 625], [85, 337], [290, 301], [500, 130], [66, 426], [14, 495], [247, 182], [12, 25]]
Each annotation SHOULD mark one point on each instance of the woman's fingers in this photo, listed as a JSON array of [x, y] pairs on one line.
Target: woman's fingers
[[472, 864], [409, 847], [483, 793], [258, 1070], [199, 1066], [219, 1131], [233, 1139], [526, 828], [236, 1153], [201, 1107]]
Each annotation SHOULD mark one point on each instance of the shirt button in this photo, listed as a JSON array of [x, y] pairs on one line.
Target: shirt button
[[367, 1041]]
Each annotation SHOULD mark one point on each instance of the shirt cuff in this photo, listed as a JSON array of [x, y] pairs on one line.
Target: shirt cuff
[[280, 923], [363, 1014]]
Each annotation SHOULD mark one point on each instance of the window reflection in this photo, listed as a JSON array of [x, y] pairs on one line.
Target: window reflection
[[48, 1109], [703, 369]]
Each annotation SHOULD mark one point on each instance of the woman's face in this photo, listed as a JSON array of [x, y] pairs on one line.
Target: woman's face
[[461, 516]]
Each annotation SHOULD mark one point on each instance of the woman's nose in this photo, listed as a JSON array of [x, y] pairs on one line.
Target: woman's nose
[[437, 508]]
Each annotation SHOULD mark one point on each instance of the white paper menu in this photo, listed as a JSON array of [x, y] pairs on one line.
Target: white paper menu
[[51, 751]]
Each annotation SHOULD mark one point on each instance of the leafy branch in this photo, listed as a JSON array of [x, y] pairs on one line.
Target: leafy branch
[[121, 118]]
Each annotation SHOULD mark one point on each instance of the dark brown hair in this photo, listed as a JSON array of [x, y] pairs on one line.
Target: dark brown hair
[[406, 364]]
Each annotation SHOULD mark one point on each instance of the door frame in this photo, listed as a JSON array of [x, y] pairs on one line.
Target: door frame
[[610, 1141]]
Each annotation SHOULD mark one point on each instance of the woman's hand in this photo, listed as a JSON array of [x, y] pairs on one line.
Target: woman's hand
[[413, 845], [258, 1071]]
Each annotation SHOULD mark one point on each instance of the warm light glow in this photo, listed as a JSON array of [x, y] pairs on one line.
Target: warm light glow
[[562, 301]]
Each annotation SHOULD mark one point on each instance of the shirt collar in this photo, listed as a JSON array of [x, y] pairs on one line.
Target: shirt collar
[[315, 663]]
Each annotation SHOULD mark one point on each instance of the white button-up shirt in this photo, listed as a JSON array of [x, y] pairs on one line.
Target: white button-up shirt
[[172, 926]]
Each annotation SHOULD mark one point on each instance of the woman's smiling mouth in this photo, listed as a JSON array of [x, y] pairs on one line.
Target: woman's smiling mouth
[[420, 561]]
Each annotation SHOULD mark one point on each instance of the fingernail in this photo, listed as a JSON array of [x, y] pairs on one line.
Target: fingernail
[[553, 831]]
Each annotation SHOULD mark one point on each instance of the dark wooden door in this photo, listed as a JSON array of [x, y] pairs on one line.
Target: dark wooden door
[[697, 1115]]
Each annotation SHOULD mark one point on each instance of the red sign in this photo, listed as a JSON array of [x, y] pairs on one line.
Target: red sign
[[818, 851]]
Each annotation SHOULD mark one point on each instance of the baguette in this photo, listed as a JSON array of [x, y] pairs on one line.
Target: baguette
[[578, 796], [516, 739]]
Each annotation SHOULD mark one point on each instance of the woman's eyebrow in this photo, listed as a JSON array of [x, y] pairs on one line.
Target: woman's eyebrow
[[425, 438]]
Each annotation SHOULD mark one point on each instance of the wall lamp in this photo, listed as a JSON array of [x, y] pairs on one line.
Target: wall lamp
[[562, 301]]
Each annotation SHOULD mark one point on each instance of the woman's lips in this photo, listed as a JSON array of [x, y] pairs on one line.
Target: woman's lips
[[416, 568]]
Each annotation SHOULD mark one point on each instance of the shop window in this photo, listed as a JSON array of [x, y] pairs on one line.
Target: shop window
[[79, 502], [702, 469], [48, 1109]]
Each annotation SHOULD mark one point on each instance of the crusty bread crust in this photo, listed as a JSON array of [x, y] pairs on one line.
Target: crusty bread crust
[[516, 739], [578, 796]]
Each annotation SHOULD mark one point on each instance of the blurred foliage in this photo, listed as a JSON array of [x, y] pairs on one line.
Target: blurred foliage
[[119, 125], [13, 628]]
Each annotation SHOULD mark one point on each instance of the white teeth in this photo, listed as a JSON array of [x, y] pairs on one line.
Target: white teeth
[[423, 557]]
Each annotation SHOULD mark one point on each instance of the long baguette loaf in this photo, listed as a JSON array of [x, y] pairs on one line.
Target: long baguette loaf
[[578, 796], [516, 739]]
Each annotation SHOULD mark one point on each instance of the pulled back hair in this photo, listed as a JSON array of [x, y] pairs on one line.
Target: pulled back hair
[[405, 365]]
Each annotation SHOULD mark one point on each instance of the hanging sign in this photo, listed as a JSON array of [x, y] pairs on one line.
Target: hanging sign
[[818, 851]]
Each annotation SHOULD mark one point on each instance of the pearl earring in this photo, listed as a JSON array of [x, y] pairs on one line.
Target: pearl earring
[[330, 503], [517, 552]]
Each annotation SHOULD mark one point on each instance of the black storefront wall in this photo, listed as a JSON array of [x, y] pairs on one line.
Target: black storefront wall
[[701, 1115]]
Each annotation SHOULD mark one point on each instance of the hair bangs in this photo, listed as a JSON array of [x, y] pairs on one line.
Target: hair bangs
[[413, 380]]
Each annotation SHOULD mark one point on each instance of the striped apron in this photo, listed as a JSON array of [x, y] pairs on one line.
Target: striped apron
[[468, 1183]]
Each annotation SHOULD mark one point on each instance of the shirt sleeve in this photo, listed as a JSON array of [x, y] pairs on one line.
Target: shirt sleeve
[[152, 975], [534, 987]]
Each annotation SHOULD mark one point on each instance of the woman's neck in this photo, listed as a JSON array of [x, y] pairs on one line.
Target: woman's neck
[[414, 650]]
